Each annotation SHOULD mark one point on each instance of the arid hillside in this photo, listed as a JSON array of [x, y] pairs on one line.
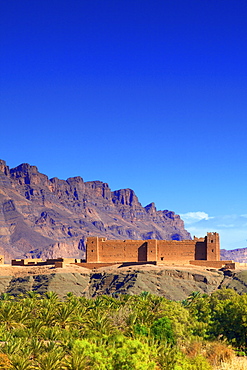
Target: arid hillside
[[172, 282]]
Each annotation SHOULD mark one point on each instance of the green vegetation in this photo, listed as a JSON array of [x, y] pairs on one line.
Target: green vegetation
[[144, 332]]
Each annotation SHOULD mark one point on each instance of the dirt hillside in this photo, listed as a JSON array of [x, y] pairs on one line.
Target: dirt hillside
[[172, 282]]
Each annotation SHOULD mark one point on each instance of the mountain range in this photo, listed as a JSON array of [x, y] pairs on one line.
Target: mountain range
[[49, 218]]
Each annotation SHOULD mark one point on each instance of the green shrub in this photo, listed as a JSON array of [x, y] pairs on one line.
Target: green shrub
[[162, 330], [120, 354]]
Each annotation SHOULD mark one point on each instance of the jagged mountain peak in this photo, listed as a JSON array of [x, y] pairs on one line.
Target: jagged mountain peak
[[58, 215]]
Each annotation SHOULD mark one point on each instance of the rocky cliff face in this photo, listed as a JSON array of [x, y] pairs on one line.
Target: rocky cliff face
[[41, 217]]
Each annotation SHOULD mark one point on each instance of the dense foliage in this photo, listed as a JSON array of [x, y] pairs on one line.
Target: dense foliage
[[142, 332]]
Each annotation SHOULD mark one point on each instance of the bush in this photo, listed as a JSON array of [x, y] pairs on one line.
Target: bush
[[161, 329], [118, 354]]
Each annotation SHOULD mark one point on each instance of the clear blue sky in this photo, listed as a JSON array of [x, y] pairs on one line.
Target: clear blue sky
[[145, 94]]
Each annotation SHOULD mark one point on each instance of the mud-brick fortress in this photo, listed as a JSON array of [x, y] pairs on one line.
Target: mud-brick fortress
[[199, 251], [101, 252]]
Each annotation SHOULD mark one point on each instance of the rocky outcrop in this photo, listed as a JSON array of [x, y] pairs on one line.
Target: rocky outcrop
[[172, 282], [42, 217], [175, 283]]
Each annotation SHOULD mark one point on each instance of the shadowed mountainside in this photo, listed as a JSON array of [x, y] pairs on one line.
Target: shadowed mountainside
[[49, 218]]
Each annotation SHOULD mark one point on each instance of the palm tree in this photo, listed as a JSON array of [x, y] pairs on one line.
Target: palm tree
[[12, 346], [52, 333], [52, 296], [98, 322], [9, 314], [32, 294], [36, 347], [52, 360], [191, 298], [63, 315], [35, 326], [21, 363], [75, 362]]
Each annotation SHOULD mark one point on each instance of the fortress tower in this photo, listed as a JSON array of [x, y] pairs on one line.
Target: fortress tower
[[212, 247], [92, 252]]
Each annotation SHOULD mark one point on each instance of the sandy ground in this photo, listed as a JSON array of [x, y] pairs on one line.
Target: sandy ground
[[18, 271]]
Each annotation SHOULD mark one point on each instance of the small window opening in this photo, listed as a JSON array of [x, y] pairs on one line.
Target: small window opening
[[162, 258], [92, 250]]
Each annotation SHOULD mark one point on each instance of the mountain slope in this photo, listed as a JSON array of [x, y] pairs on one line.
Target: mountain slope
[[53, 217], [237, 255]]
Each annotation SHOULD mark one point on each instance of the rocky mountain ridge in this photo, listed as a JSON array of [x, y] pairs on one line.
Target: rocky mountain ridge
[[49, 218], [237, 255]]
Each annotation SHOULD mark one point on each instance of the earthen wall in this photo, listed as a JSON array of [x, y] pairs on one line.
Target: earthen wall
[[173, 250], [100, 250], [214, 264]]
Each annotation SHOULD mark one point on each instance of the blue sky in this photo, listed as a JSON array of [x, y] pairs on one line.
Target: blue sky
[[141, 94]]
